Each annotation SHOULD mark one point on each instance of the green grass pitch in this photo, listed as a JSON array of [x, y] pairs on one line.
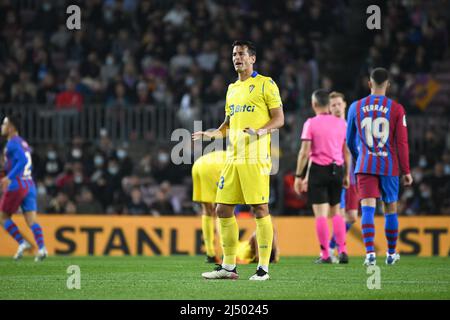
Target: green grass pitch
[[179, 278]]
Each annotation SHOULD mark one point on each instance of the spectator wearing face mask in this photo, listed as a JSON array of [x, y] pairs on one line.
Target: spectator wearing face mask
[[110, 69], [164, 169], [98, 182], [77, 152], [52, 164], [125, 162], [79, 179], [113, 180], [161, 165], [106, 146]]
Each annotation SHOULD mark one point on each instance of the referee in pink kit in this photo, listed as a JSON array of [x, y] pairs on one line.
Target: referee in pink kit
[[323, 140]]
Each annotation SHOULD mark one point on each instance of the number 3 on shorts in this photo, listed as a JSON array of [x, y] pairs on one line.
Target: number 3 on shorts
[[221, 181]]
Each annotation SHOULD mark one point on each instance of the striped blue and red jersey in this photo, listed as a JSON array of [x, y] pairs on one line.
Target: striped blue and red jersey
[[377, 136], [18, 164]]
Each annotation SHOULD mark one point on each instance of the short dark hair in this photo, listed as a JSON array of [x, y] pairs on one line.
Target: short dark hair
[[15, 120], [250, 46], [379, 75], [322, 97]]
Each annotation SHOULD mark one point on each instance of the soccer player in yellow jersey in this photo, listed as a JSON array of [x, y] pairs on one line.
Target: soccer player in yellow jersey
[[205, 178], [253, 110]]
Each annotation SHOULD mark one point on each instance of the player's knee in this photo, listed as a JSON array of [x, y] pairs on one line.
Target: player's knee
[[3, 218], [224, 212], [30, 220], [208, 209], [261, 211], [391, 207], [336, 210]]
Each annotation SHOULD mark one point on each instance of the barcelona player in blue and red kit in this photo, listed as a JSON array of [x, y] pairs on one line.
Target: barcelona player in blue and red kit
[[377, 137], [19, 189]]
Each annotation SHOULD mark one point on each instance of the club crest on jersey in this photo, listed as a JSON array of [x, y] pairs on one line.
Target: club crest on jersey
[[251, 87]]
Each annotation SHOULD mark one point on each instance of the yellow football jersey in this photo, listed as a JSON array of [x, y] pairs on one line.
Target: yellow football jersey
[[247, 104]]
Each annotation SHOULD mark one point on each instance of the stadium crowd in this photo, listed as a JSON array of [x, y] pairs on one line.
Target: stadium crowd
[[133, 53]]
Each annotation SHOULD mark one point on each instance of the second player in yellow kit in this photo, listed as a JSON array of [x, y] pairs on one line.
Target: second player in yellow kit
[[253, 110], [206, 173], [205, 177]]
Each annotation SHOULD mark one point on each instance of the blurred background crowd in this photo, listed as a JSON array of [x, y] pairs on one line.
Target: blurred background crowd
[[176, 56]]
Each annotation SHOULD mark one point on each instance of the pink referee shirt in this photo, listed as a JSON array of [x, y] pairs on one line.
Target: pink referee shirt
[[327, 135]]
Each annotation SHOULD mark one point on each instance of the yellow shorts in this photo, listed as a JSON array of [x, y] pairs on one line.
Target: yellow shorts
[[205, 176], [244, 182]]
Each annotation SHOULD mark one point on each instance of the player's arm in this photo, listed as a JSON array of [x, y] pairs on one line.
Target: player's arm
[[19, 160], [303, 155], [347, 164], [302, 160], [351, 132], [304, 187], [401, 140], [220, 132]]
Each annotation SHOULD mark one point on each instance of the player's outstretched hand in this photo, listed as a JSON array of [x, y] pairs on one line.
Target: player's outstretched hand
[[199, 135], [407, 180], [298, 186]]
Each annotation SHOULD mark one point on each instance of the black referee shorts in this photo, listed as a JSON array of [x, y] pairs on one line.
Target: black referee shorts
[[325, 184]]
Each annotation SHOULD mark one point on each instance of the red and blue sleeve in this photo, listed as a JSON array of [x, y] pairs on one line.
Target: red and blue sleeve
[[352, 132], [401, 139], [18, 160]]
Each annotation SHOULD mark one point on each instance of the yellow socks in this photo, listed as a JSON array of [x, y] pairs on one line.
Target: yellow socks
[[264, 237], [208, 235], [229, 232]]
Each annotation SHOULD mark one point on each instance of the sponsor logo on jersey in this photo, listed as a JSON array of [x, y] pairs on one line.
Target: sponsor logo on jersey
[[237, 108]]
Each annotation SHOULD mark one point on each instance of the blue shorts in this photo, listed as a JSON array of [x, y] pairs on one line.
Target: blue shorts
[[29, 203], [374, 186]]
